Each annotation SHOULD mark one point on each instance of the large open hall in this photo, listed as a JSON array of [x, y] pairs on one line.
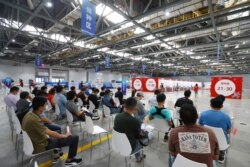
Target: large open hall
[[124, 83]]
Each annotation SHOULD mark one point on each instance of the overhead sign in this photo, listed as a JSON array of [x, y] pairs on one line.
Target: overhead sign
[[38, 61], [230, 87], [124, 87], [88, 20], [97, 68], [107, 61]]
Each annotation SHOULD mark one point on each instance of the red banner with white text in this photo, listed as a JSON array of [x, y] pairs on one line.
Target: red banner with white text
[[230, 87], [145, 84]]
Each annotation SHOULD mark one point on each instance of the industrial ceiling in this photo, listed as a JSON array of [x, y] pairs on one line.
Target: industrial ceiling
[[168, 37]]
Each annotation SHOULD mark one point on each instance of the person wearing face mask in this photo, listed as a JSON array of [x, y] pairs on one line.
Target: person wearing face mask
[[43, 138]]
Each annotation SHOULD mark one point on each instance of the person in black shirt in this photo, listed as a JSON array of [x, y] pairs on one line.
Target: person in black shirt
[[102, 92], [23, 103], [119, 95], [126, 123], [94, 98], [184, 100]]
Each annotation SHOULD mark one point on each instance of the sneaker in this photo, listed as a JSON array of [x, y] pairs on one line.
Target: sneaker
[[95, 118], [139, 160], [55, 160], [73, 162], [222, 157]]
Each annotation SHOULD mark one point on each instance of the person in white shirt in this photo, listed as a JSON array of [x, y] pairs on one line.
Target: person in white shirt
[[152, 101], [11, 99]]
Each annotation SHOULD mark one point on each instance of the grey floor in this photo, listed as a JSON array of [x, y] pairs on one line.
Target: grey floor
[[157, 152]]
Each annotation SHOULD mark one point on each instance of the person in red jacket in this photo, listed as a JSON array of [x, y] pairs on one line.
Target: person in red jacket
[[196, 89]]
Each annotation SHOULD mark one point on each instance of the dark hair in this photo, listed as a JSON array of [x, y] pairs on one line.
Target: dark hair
[[216, 103], [188, 114], [119, 89], [59, 88], [107, 91], [161, 97], [73, 88], [157, 91], [52, 91], [14, 88], [84, 88], [187, 93], [41, 93], [38, 101], [71, 95], [102, 88], [222, 97], [133, 92], [96, 90], [43, 88], [131, 103], [24, 95]]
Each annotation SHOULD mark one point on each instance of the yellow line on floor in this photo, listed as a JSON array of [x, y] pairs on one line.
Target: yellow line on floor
[[79, 150]]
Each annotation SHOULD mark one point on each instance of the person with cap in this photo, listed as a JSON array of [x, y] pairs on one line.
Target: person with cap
[[141, 111], [107, 101]]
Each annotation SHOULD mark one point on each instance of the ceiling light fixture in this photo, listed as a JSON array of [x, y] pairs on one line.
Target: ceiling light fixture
[[13, 40], [49, 4], [167, 13]]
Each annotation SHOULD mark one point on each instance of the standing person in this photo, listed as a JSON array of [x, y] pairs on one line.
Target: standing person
[[216, 118], [126, 123], [183, 100], [133, 92], [44, 139], [81, 85], [160, 112], [193, 141], [21, 82], [119, 95], [196, 89], [11, 99], [60, 100]]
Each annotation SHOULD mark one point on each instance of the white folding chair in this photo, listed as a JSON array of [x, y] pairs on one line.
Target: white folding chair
[[35, 164], [121, 145], [28, 148], [91, 106], [49, 110], [107, 113], [57, 111], [79, 102], [160, 125], [71, 122], [18, 131], [222, 140], [117, 101], [170, 104], [181, 161], [94, 130], [10, 112]]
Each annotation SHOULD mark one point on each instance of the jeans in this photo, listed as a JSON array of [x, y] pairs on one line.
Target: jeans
[[53, 127], [137, 149], [71, 141], [115, 110]]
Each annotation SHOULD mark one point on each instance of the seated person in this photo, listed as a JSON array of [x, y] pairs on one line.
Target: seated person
[[11, 99], [119, 95], [141, 112], [193, 141], [44, 89], [73, 88], [94, 98], [83, 97], [152, 101], [126, 123], [60, 100], [107, 101], [73, 108], [216, 118], [184, 100], [102, 92], [160, 112], [50, 97], [226, 107], [23, 103], [44, 139]]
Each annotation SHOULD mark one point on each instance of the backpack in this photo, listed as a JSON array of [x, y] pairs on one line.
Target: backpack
[[158, 112]]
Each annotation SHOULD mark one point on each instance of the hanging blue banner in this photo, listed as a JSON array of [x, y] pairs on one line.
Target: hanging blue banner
[[97, 68], [107, 61], [38, 61], [143, 68], [209, 71], [174, 73], [88, 19], [124, 87]]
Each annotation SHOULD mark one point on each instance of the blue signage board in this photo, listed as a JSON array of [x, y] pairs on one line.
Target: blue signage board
[[143, 68], [97, 68], [107, 61], [88, 19], [124, 87], [38, 61]]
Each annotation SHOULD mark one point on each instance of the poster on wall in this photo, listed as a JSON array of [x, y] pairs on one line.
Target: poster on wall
[[230, 87], [145, 84]]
